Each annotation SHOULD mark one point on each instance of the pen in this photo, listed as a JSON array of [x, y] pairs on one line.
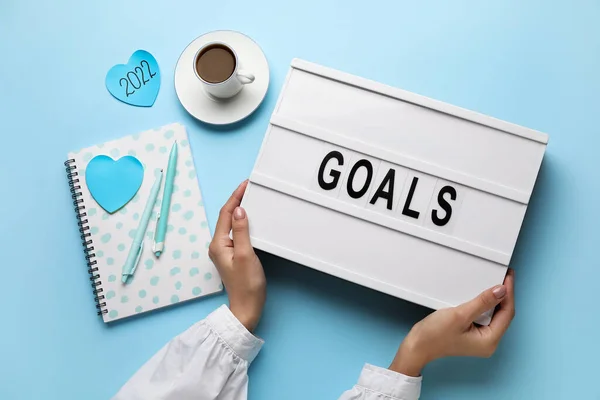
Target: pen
[[163, 215], [135, 251]]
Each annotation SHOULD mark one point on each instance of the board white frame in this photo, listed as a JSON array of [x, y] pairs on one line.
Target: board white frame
[[317, 109]]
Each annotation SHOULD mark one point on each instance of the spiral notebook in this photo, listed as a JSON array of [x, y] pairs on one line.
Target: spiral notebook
[[184, 271]]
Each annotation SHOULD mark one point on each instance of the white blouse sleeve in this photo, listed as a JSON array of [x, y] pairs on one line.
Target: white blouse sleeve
[[209, 361], [377, 383]]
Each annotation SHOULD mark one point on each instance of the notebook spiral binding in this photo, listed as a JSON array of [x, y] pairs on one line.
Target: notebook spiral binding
[[86, 241]]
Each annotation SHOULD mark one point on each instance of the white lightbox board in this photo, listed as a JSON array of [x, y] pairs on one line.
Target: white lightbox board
[[388, 189]]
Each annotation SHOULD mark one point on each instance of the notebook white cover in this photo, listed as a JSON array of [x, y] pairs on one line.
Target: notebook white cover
[[183, 271]]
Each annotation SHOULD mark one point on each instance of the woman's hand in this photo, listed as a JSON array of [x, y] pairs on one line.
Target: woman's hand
[[239, 267], [451, 331]]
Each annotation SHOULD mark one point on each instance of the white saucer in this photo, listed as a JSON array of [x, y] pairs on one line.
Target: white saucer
[[196, 101]]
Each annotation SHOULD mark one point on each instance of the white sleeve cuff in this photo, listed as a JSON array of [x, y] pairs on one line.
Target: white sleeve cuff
[[243, 343], [390, 383]]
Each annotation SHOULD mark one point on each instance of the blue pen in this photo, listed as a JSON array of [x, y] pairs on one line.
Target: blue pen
[[135, 252], [163, 216]]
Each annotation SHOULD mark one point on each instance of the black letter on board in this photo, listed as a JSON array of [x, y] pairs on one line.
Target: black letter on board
[[445, 206], [406, 210], [389, 194], [351, 192], [333, 173]]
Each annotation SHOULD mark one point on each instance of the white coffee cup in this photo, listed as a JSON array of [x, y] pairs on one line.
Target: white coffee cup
[[217, 66]]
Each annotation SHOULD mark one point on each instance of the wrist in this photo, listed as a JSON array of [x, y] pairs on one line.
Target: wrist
[[247, 318], [409, 360]]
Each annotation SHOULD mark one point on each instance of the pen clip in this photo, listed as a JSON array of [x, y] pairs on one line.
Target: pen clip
[[155, 232], [137, 258], [156, 226]]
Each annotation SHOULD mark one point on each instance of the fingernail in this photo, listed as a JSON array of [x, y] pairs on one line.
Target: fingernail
[[239, 213], [499, 291]]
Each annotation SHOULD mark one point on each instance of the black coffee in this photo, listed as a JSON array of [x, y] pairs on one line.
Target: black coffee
[[215, 63]]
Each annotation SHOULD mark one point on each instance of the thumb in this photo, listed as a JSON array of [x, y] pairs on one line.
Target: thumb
[[487, 300], [241, 236]]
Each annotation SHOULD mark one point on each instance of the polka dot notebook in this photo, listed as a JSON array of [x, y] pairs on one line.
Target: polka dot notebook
[[184, 271]]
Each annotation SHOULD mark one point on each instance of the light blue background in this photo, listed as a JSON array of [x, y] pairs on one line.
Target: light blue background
[[535, 63]]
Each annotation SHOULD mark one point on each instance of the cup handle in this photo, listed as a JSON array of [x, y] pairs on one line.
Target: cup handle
[[245, 77]]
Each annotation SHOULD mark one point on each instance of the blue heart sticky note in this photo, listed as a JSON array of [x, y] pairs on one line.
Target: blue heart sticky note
[[137, 82], [113, 183]]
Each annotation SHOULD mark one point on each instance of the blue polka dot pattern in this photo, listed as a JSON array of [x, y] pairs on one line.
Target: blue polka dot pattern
[[183, 270]]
